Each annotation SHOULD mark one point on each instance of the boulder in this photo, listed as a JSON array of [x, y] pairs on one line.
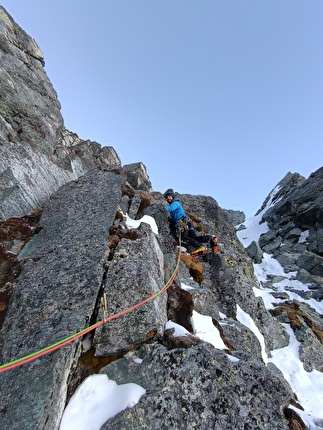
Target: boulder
[[135, 273], [255, 253], [199, 387], [55, 297]]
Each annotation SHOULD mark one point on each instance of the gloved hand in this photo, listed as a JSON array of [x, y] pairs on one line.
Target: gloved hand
[[182, 223]]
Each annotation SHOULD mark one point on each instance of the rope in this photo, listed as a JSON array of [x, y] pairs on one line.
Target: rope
[[51, 348]]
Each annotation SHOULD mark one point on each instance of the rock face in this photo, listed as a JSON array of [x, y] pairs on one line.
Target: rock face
[[236, 217], [82, 249], [66, 249], [176, 380], [37, 154], [294, 239], [63, 269], [295, 228]]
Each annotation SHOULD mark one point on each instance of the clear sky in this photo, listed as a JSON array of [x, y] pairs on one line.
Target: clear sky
[[215, 97]]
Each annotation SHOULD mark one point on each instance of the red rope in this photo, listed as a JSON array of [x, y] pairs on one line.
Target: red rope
[[64, 342]]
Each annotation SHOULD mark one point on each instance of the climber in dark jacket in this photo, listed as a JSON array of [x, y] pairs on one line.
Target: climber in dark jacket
[[181, 224]]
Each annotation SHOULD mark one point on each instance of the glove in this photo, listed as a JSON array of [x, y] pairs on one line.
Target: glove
[[182, 223]]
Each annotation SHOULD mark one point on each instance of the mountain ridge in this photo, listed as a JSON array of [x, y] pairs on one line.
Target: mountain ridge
[[65, 242]]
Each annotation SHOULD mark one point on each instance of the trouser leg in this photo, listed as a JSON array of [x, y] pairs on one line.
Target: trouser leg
[[189, 240], [199, 239]]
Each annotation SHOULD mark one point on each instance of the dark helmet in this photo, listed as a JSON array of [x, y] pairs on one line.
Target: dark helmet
[[169, 192]]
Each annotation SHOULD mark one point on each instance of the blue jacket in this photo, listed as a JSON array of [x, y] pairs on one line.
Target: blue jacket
[[176, 211]]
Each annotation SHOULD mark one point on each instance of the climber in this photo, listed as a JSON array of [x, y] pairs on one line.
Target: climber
[[181, 224]]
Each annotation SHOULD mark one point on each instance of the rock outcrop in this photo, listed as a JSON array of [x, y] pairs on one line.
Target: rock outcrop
[[56, 295], [83, 249], [199, 387], [294, 239], [37, 154]]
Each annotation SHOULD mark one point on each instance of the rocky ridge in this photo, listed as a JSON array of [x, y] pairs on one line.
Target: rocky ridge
[[38, 154], [61, 251]]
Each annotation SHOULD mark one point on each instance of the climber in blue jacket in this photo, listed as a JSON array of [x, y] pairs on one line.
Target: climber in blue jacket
[[181, 224]]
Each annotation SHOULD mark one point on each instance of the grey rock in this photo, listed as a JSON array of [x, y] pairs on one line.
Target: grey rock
[[134, 206], [311, 349], [309, 333], [311, 263], [137, 176], [288, 261], [30, 121], [266, 238], [241, 227], [293, 235], [242, 339], [235, 217], [255, 253], [306, 278], [124, 204], [204, 302], [81, 248], [200, 387], [299, 247], [135, 273], [37, 154], [54, 296], [285, 228], [299, 201], [273, 245]]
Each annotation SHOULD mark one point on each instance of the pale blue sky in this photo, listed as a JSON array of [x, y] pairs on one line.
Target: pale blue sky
[[219, 98]]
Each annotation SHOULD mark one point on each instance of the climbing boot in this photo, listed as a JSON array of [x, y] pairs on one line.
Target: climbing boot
[[199, 251]]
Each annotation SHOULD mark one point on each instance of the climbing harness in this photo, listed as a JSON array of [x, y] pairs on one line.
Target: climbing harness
[[70, 339]]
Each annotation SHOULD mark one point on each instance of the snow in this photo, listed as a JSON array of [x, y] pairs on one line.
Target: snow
[[304, 236], [205, 330], [134, 223], [99, 398], [308, 386], [253, 226], [252, 230], [96, 400], [271, 267], [179, 330]]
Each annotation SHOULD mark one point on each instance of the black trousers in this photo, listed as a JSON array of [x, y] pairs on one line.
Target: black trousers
[[192, 238], [189, 237]]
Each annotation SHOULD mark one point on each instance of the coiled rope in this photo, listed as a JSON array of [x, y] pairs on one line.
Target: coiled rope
[[51, 348]]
